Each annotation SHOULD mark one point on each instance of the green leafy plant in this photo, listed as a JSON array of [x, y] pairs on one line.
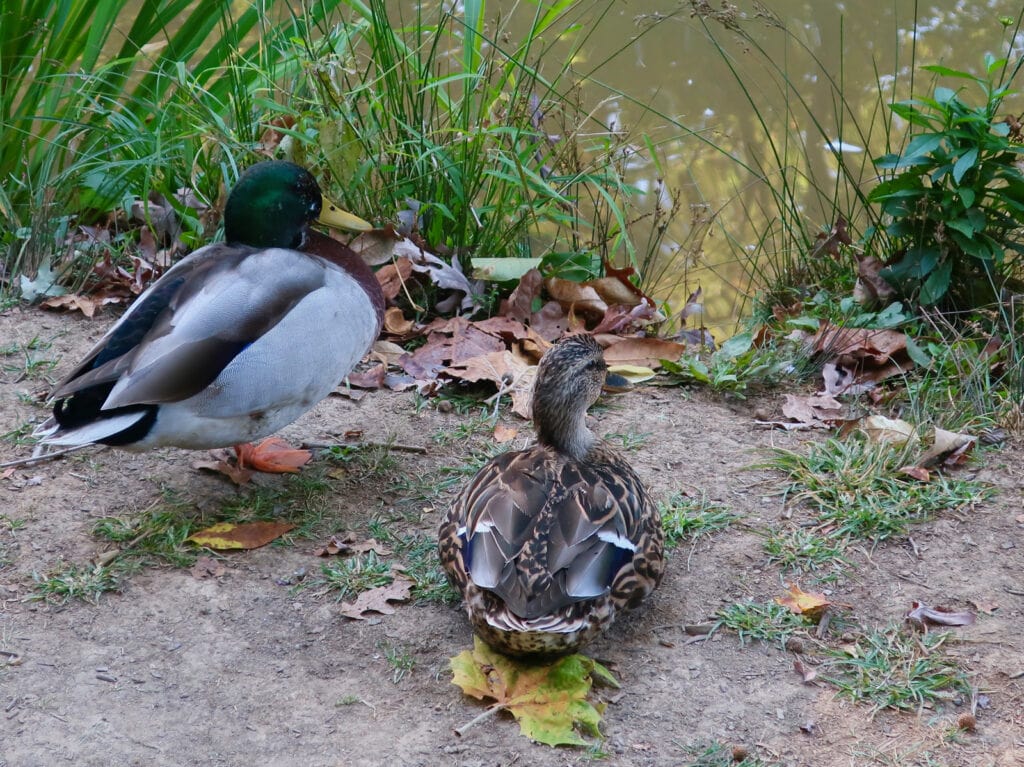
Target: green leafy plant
[[952, 206], [735, 366]]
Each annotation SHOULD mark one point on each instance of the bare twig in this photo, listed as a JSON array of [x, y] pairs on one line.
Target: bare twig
[[398, 447], [487, 714], [43, 457]]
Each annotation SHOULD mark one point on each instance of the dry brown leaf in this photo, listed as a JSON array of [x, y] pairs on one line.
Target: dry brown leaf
[[373, 378], [347, 543], [921, 615], [916, 472], [645, 352], [814, 410], [503, 433], [878, 346], [576, 296], [247, 535], [377, 247], [894, 431], [392, 277], [207, 567], [519, 305], [387, 352], [950, 449], [378, 599], [223, 464], [807, 674], [870, 287], [613, 290], [395, 322]]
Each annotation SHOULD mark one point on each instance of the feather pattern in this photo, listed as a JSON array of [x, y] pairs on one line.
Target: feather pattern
[[547, 544]]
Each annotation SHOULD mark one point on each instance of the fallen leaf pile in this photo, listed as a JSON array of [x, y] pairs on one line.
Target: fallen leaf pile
[[549, 701], [504, 349]]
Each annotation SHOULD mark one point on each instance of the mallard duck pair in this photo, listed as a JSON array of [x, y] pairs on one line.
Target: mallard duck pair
[[241, 338], [237, 340], [549, 543]]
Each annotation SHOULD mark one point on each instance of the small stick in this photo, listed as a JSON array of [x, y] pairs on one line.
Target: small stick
[[460, 731], [44, 457], [387, 445]]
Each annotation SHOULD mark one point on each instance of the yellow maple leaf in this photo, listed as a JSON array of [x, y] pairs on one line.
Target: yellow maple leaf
[[805, 603]]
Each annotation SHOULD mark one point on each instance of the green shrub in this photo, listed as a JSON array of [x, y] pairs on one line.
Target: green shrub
[[953, 205]]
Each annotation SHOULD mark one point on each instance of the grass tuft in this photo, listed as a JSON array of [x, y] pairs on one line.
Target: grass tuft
[[897, 668], [686, 518], [854, 488], [766, 621]]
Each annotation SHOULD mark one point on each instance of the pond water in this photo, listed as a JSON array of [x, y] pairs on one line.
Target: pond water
[[670, 62]]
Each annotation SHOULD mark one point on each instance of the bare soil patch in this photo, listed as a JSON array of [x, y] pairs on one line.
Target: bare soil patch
[[246, 669]]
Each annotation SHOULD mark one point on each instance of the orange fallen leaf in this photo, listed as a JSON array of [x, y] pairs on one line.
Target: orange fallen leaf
[[503, 433], [273, 455], [808, 604], [247, 535]]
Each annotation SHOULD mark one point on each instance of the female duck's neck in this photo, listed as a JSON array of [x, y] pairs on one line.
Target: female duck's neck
[[567, 433]]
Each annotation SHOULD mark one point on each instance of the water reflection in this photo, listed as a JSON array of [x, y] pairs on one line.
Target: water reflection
[[733, 99]]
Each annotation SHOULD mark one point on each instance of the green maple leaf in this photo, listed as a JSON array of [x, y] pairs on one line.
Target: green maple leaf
[[548, 700]]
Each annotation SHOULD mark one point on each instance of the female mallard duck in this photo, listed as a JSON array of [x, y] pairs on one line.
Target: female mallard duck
[[547, 544], [238, 339]]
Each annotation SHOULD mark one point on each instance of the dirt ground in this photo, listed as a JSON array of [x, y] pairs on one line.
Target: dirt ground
[[244, 669]]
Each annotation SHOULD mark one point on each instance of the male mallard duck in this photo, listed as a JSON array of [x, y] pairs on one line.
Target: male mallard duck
[[546, 544], [238, 339]]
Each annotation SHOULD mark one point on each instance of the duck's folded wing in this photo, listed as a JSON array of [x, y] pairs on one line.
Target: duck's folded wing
[[183, 332], [544, 534]]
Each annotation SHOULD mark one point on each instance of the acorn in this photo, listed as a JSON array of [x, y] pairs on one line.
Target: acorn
[[966, 722]]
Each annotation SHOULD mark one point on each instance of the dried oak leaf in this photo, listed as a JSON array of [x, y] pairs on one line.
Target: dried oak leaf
[[377, 600], [812, 411], [348, 543], [373, 378], [922, 616], [549, 701], [392, 277], [247, 535]]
